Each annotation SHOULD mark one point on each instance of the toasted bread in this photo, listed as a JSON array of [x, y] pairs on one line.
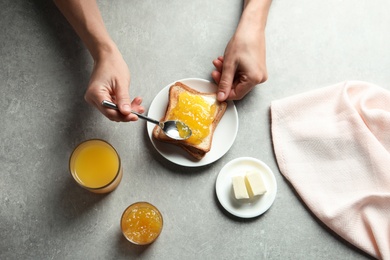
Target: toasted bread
[[199, 147]]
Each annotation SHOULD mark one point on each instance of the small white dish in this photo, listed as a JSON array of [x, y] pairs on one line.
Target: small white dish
[[224, 135], [248, 208]]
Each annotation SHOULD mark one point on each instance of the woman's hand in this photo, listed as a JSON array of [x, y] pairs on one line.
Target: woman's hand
[[110, 80], [243, 65]]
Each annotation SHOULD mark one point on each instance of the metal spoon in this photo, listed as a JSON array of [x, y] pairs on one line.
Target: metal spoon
[[173, 128]]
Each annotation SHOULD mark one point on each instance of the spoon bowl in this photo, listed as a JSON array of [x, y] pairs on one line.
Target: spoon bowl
[[174, 129]]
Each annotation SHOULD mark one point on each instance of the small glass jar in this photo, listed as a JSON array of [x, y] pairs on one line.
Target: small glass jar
[[141, 223]]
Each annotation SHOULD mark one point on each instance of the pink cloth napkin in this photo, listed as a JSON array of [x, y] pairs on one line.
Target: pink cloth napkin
[[333, 146]]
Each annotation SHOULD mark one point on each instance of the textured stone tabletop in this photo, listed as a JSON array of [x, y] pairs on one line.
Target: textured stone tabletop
[[44, 70]]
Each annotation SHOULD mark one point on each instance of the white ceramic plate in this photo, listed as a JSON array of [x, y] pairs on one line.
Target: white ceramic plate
[[224, 135], [245, 208]]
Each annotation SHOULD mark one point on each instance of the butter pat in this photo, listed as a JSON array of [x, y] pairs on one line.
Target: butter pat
[[254, 184], [239, 187]]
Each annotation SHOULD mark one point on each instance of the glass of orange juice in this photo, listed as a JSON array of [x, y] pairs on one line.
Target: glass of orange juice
[[96, 166], [141, 223]]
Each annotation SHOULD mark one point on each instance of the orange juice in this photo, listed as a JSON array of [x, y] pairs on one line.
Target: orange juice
[[141, 223], [96, 166]]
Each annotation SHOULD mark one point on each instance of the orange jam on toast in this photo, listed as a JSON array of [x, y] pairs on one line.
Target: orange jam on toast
[[197, 113]]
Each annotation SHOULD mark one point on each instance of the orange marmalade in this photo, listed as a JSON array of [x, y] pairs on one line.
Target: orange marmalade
[[197, 113], [141, 223]]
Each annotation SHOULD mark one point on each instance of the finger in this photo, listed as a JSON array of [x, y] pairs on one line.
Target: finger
[[116, 115], [112, 114], [240, 90], [122, 99], [226, 81], [216, 75], [136, 105], [218, 64]]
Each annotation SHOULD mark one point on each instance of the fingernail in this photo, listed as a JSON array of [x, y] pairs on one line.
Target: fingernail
[[126, 108], [221, 95]]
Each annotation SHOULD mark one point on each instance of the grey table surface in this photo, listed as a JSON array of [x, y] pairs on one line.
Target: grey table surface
[[44, 70]]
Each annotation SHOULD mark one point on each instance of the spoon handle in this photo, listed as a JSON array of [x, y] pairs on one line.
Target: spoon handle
[[114, 106]]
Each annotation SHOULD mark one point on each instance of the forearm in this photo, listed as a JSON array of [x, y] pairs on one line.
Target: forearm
[[84, 16], [255, 14]]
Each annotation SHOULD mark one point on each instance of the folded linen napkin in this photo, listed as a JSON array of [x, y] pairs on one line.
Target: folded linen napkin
[[333, 145]]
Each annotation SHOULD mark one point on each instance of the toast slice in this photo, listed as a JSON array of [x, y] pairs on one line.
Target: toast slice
[[200, 111]]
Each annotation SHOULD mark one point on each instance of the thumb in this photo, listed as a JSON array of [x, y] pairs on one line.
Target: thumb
[[123, 100], [226, 82]]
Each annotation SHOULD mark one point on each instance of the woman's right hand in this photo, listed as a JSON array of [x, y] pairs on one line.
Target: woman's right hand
[[110, 80]]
